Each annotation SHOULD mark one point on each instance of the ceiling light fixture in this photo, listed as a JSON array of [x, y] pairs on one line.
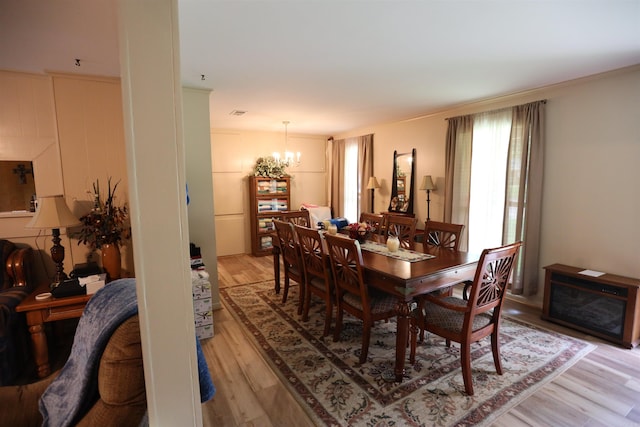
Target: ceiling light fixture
[[289, 158]]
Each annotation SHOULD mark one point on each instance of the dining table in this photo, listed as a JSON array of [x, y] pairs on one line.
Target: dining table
[[407, 274], [406, 280]]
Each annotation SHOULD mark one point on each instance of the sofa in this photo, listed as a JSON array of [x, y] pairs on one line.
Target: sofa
[[16, 282]]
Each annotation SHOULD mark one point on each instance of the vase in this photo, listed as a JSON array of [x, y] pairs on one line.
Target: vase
[[393, 243], [111, 261]]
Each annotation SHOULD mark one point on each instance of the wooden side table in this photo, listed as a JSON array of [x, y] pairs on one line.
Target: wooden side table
[[48, 310]]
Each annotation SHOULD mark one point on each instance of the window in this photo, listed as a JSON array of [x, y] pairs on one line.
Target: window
[[351, 165], [494, 167], [488, 179]]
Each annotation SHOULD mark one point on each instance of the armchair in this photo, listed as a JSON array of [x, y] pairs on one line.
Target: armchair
[[16, 282], [466, 321], [102, 382], [120, 384]]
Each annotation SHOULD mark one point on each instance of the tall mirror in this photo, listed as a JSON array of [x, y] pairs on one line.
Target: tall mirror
[[402, 185]]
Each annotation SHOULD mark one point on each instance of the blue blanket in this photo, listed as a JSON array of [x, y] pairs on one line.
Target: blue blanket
[[74, 391]]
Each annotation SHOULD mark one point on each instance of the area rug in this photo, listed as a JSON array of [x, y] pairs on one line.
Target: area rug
[[335, 390]]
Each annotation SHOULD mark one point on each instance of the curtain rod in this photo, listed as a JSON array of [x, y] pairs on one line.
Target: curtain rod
[[543, 101]]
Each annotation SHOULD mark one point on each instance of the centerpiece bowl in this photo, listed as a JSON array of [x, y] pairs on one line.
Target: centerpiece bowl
[[360, 231]]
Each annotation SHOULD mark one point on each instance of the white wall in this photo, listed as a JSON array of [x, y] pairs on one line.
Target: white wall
[[233, 156], [152, 110], [71, 127], [591, 200], [202, 231]]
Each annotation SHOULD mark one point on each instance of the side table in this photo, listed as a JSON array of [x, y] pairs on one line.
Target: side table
[[38, 312]]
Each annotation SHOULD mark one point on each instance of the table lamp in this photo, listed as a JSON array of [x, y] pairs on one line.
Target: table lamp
[[372, 185], [428, 185], [54, 213]]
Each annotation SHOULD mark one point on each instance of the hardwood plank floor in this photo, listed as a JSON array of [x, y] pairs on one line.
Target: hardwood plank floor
[[602, 389]]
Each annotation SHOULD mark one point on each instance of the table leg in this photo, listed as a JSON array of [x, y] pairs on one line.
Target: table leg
[[402, 334], [276, 267], [40, 349]]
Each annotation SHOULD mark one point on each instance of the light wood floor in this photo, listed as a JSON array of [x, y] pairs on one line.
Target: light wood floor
[[602, 389]]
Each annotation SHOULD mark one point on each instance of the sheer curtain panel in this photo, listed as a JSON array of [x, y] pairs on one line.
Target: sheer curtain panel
[[351, 165], [494, 167]]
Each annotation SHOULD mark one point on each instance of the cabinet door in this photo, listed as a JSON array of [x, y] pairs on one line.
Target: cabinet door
[[267, 186], [266, 243], [272, 205]]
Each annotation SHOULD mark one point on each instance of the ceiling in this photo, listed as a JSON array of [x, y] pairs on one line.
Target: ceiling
[[333, 66]]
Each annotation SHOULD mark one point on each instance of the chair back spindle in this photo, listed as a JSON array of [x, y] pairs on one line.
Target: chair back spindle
[[442, 234], [404, 227], [376, 221]]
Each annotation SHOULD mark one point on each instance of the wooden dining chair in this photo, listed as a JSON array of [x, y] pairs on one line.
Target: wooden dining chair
[[317, 273], [404, 227], [291, 259], [352, 293], [376, 221], [468, 321], [442, 234], [300, 217]]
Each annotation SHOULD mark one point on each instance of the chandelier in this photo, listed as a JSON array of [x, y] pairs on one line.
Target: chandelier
[[289, 158]]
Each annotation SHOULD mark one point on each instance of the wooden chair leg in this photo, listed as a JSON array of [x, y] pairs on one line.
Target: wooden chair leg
[[465, 359], [327, 316], [495, 348], [302, 291], [366, 337], [338, 329], [306, 303], [285, 293]]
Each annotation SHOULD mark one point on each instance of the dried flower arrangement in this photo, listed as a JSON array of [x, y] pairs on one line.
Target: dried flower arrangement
[[106, 223], [270, 167]]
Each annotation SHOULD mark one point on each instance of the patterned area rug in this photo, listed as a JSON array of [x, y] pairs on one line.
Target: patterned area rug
[[336, 391]]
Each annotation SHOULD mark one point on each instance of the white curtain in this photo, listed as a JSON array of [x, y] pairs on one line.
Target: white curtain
[[488, 179], [493, 184], [351, 165], [351, 193]]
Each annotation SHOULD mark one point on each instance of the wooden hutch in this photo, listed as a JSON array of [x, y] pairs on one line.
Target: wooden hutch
[[268, 197]]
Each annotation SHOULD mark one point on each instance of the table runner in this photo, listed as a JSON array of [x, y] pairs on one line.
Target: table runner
[[402, 254]]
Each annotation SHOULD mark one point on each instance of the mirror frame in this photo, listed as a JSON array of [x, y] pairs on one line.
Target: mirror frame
[[19, 186], [394, 183]]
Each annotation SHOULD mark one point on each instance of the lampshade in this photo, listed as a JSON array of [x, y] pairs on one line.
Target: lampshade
[[427, 183], [373, 183], [52, 212]]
